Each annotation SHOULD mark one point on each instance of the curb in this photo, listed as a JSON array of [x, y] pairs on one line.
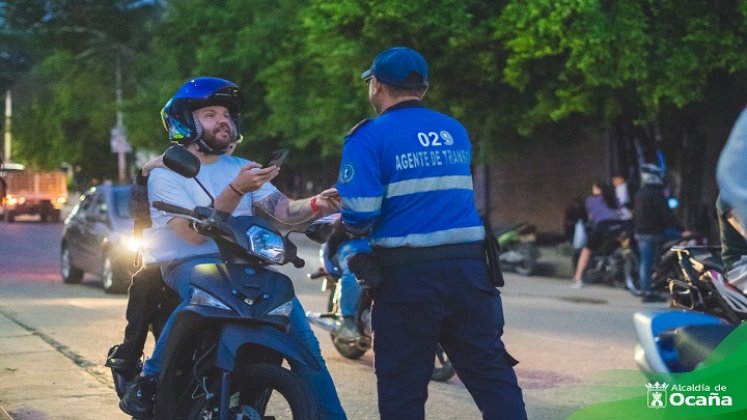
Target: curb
[[4, 414]]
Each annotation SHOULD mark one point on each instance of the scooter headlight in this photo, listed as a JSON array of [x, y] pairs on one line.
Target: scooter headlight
[[130, 242], [266, 243], [283, 310], [201, 297]]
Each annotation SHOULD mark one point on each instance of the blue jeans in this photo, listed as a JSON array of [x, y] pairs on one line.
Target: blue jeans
[[177, 276], [649, 246], [350, 293]]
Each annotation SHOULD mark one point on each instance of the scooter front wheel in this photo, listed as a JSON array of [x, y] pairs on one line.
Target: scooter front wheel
[[261, 391]]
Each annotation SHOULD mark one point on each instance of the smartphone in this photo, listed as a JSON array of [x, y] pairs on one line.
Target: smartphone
[[277, 157]]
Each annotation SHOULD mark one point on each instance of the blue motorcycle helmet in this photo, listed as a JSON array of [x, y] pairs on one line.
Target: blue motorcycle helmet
[[178, 113], [652, 175]]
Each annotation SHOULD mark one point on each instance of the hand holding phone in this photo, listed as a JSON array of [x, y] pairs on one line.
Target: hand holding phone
[[277, 157], [330, 193]]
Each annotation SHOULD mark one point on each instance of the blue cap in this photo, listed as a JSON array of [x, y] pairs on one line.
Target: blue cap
[[401, 67]]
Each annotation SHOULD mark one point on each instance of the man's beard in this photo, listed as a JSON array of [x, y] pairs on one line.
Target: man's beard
[[219, 142]]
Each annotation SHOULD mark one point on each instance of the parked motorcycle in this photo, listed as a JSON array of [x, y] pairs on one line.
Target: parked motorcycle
[[329, 273], [668, 267], [615, 263], [519, 251], [226, 349], [707, 309]]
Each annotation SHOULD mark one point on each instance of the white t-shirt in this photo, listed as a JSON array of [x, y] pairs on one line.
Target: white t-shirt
[[161, 243]]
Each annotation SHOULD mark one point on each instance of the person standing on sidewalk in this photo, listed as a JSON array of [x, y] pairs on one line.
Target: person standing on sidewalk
[[654, 223], [406, 185]]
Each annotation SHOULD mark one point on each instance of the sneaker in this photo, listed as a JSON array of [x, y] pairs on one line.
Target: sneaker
[[577, 285], [139, 397], [348, 330]]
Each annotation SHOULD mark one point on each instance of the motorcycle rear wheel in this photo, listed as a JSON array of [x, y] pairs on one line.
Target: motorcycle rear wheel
[[528, 262], [253, 395], [350, 349]]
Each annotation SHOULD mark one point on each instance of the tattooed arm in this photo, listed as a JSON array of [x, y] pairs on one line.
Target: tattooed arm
[[291, 212]]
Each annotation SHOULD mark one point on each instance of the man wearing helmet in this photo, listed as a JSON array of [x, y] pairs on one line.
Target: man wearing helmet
[[654, 223], [203, 117]]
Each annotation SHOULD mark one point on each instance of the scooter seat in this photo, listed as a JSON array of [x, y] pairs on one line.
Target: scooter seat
[[696, 342]]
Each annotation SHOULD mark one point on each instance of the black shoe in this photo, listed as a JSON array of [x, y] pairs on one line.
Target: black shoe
[[139, 397], [127, 366], [652, 298]]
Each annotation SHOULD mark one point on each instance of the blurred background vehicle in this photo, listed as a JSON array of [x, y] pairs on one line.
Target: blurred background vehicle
[[35, 193], [98, 239], [519, 252]]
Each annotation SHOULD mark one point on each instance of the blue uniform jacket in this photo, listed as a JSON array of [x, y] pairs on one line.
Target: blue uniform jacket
[[405, 179]]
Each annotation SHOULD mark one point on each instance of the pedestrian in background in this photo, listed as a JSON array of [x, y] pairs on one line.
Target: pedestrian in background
[[654, 223], [574, 227], [622, 192], [603, 211]]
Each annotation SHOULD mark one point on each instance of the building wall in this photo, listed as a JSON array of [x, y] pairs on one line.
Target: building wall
[[538, 185]]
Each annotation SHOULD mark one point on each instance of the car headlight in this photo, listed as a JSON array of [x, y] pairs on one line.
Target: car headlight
[[283, 310], [266, 243], [201, 297]]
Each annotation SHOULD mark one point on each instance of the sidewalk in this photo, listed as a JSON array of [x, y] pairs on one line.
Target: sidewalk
[[37, 381]]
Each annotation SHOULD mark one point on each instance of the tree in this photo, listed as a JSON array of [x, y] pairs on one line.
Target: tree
[[68, 106], [656, 72]]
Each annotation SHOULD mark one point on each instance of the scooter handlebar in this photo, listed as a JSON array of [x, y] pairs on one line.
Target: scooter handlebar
[[172, 208]]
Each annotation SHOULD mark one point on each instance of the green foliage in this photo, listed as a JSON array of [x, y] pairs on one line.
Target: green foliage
[[510, 70], [609, 59]]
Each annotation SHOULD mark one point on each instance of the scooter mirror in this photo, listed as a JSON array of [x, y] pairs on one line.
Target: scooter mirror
[[181, 161]]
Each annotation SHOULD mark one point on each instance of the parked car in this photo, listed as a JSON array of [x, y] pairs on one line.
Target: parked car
[[98, 238]]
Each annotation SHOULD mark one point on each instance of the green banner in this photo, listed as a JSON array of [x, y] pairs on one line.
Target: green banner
[[716, 390]]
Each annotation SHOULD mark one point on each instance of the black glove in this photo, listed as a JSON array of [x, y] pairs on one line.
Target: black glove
[[338, 236], [367, 271]]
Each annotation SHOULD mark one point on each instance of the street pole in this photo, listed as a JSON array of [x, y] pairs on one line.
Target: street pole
[[120, 126], [119, 140], [8, 114]]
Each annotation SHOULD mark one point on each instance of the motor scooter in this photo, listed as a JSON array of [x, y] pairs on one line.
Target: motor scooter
[[615, 263], [330, 273], [224, 358]]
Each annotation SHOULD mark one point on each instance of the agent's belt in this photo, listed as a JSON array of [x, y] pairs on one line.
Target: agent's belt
[[392, 257]]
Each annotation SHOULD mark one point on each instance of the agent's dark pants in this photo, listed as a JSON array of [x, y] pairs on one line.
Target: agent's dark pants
[[150, 303], [451, 301]]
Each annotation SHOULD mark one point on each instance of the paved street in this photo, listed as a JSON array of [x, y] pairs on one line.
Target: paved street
[[54, 338]]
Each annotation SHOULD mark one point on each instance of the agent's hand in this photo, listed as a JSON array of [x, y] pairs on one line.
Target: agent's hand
[[252, 176], [329, 200]]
